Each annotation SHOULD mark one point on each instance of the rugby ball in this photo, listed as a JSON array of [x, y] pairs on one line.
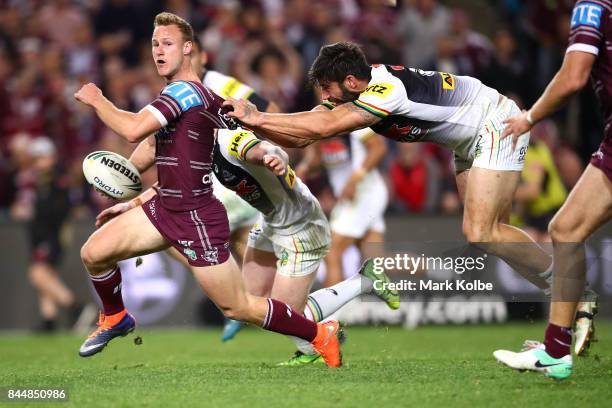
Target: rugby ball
[[112, 174]]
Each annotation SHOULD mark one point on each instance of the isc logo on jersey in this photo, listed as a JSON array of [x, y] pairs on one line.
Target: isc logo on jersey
[[588, 14], [381, 90]]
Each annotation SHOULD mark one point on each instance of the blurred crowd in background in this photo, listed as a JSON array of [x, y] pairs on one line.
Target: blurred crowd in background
[[49, 48]]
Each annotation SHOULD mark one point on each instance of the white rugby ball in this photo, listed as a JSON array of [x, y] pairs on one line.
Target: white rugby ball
[[113, 174]]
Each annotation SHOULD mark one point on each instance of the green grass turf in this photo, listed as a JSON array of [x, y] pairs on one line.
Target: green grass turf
[[430, 366]]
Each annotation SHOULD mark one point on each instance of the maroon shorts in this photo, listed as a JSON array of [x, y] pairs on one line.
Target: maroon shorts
[[201, 235], [602, 158]]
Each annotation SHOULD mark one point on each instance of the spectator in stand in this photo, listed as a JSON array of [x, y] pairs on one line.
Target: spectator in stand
[[60, 21], [415, 180], [119, 26], [472, 49], [418, 27], [508, 70], [273, 68], [372, 31], [566, 160], [51, 207], [541, 191]]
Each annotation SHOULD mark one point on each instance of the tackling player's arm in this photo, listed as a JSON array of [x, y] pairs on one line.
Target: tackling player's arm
[[133, 127], [303, 128], [572, 77]]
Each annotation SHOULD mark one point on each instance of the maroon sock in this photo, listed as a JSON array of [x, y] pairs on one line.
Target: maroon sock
[[558, 340], [281, 318], [108, 287]]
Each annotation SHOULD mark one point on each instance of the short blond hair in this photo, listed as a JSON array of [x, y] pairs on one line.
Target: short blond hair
[[167, 19]]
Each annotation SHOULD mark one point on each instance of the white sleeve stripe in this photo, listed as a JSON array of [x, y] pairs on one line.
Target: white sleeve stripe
[[158, 115], [584, 48]]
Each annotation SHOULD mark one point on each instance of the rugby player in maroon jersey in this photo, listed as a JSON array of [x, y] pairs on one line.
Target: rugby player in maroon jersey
[[181, 211], [589, 204]]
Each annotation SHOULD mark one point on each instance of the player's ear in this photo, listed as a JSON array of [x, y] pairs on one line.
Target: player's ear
[[350, 82], [187, 47]]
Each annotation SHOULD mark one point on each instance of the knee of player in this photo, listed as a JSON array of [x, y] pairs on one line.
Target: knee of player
[[476, 233], [89, 256], [561, 230]]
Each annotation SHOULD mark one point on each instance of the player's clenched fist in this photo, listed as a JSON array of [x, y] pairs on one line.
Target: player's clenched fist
[[275, 163], [88, 94], [243, 111]]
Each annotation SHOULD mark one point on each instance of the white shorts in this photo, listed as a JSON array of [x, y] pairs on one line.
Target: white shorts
[[298, 254], [491, 151], [365, 213], [240, 214]]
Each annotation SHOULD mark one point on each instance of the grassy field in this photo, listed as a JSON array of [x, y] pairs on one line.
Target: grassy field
[[431, 366]]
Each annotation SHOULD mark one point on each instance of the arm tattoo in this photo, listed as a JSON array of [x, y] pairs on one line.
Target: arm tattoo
[[366, 118]]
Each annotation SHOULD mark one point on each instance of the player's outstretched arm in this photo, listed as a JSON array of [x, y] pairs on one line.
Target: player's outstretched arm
[[118, 209], [143, 157], [572, 76], [300, 129], [268, 155], [131, 126]]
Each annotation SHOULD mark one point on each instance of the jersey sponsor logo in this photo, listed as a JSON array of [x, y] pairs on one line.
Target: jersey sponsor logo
[[211, 255], [587, 14], [290, 177], [522, 153], [380, 90], [207, 179], [191, 254], [397, 67], [448, 81], [422, 72], [184, 94], [235, 142], [406, 134]]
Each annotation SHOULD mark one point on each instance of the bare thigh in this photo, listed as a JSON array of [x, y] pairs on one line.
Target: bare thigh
[[588, 206], [258, 271], [487, 196], [128, 235]]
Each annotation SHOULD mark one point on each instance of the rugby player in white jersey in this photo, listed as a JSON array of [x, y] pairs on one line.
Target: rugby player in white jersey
[[410, 105], [351, 162]]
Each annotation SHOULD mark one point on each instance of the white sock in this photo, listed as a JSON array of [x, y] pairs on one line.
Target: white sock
[[324, 302]]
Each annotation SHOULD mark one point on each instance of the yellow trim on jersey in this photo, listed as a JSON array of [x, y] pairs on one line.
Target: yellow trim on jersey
[[381, 113]]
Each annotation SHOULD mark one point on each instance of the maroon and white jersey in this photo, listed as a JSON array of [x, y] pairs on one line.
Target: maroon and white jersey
[[189, 113], [591, 31]]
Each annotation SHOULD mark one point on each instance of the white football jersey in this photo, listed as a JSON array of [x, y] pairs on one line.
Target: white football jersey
[[226, 86], [285, 202], [344, 154], [428, 106]]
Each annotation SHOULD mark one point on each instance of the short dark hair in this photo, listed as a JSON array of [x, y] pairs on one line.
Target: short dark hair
[[336, 61]]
